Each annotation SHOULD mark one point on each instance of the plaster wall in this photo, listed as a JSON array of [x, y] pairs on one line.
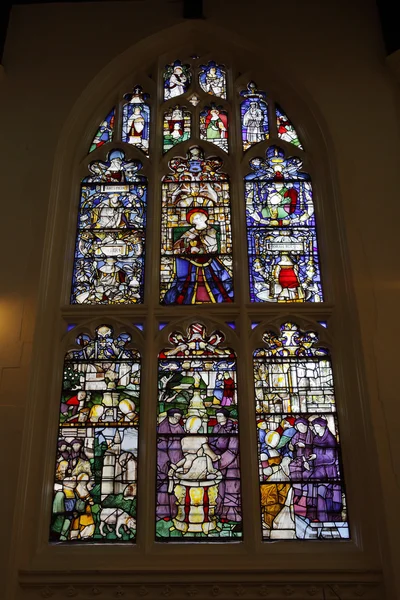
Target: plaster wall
[[335, 53]]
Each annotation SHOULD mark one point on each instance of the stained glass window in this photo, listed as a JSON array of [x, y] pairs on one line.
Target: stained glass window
[[282, 242], [97, 451], [105, 131], [198, 479], [286, 131], [214, 126], [136, 120], [301, 484], [177, 126], [254, 116], [212, 79], [109, 253], [196, 242], [198, 495], [177, 79]]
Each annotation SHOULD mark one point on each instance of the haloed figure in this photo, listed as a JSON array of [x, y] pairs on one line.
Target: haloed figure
[[200, 274]]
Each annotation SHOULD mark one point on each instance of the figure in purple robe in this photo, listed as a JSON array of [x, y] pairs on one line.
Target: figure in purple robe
[[169, 452], [324, 501], [301, 448], [227, 446]]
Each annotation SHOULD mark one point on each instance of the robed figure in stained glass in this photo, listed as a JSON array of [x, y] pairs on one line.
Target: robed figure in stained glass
[[196, 266], [200, 276]]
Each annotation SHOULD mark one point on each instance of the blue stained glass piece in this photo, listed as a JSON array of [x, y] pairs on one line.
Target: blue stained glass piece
[[231, 324], [323, 323], [139, 326], [254, 324], [162, 325], [70, 326]]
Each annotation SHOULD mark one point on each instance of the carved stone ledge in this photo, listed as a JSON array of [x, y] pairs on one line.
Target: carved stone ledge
[[201, 590]]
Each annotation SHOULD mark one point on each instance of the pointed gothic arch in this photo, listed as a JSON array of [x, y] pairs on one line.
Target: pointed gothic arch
[[73, 144]]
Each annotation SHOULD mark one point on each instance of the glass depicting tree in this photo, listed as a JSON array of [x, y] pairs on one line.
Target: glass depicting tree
[[96, 465], [301, 485], [136, 120], [282, 242], [254, 116], [212, 79], [177, 126], [105, 132], [198, 478], [286, 131], [214, 126], [196, 243], [177, 79], [109, 253]]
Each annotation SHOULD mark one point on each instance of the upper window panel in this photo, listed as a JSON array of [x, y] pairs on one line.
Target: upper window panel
[[286, 131], [105, 132], [281, 234], [109, 252], [196, 239], [254, 116], [212, 79], [97, 451], [136, 120], [177, 79]]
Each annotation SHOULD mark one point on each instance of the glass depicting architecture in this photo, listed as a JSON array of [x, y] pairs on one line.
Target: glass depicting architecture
[[286, 131], [177, 79], [198, 479], [212, 79], [196, 241], [136, 120], [282, 242], [254, 116], [105, 131], [109, 252], [177, 126], [301, 484], [96, 465], [214, 126]]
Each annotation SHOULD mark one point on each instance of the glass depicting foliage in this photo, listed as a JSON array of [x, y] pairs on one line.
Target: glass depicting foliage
[[214, 126], [96, 466], [196, 242], [177, 79], [212, 79], [177, 126], [286, 131], [282, 243], [136, 120], [301, 486], [254, 116], [198, 478], [109, 251], [105, 132]]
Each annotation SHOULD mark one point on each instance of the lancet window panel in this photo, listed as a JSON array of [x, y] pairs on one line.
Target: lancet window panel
[[300, 473], [196, 238], [281, 231], [95, 485], [198, 477], [110, 243]]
